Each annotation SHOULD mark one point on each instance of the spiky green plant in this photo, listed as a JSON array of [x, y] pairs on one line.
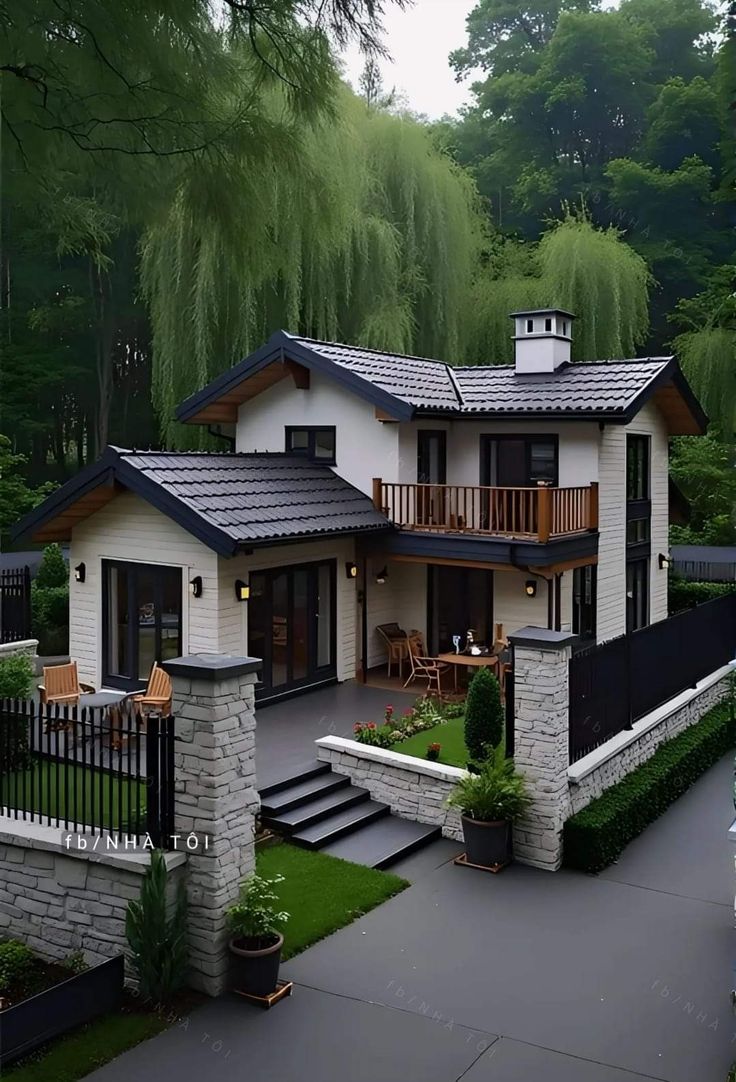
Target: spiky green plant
[[157, 934]]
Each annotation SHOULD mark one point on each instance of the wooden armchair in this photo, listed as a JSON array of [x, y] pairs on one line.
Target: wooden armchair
[[425, 668], [157, 696], [396, 645], [61, 685]]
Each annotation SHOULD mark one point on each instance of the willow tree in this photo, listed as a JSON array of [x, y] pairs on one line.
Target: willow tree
[[591, 272], [355, 227]]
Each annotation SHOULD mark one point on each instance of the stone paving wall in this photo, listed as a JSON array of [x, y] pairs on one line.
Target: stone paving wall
[[413, 788]]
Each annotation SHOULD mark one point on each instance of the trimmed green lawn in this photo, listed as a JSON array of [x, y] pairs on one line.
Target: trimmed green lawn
[[88, 1048], [322, 893], [75, 792], [451, 736]]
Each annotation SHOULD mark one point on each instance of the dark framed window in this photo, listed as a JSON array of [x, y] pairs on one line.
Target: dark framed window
[[431, 456], [584, 601], [638, 454], [519, 461], [637, 594], [638, 531], [141, 620], [312, 441]]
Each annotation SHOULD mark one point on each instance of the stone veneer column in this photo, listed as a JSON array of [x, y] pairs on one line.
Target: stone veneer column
[[216, 796], [541, 748]]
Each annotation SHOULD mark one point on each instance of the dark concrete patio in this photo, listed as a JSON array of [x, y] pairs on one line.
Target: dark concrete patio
[[286, 731], [510, 978]]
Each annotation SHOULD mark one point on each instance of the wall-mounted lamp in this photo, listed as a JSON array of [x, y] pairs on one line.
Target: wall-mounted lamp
[[242, 590], [665, 561], [382, 576], [351, 570], [80, 572], [530, 586], [195, 586]]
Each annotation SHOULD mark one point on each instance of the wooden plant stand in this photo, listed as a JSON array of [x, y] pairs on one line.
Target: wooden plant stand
[[283, 989], [463, 862]]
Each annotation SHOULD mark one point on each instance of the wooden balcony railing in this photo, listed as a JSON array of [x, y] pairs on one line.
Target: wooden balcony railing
[[536, 514]]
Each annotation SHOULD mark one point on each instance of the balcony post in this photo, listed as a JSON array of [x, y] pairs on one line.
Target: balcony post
[[378, 494], [593, 514], [544, 527]]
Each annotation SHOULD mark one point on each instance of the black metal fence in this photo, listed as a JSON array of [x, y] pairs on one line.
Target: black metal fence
[[616, 683], [15, 604], [94, 770]]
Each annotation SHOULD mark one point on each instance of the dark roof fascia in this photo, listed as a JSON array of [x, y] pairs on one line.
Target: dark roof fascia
[[674, 374], [92, 476], [315, 535], [279, 346], [492, 550], [467, 414]]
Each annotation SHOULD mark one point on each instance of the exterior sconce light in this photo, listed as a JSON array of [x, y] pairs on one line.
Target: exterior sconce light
[[80, 572], [195, 586], [242, 590], [665, 561], [530, 586], [382, 576], [351, 570]]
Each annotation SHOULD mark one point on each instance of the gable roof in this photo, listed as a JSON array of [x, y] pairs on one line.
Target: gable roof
[[403, 387], [228, 501]]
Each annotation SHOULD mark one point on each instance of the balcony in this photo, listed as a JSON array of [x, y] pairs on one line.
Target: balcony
[[530, 514]]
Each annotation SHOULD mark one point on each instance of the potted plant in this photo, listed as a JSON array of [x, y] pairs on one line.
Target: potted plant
[[489, 801], [255, 923]]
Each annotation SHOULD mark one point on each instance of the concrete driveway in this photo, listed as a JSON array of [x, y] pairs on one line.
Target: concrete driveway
[[514, 978]]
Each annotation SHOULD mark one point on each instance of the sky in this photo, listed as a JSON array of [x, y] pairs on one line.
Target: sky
[[420, 40]]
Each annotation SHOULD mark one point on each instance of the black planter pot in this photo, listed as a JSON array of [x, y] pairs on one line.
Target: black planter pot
[[255, 971], [487, 843]]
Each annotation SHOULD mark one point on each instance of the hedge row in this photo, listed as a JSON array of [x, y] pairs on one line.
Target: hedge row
[[595, 836], [683, 594]]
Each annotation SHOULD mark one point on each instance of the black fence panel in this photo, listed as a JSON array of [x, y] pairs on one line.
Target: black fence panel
[[616, 683], [15, 604], [88, 770]]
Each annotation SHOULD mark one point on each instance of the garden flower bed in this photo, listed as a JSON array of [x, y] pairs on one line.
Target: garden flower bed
[[428, 730]]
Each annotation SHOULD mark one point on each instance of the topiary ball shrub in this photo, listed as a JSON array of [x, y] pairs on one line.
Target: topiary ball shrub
[[483, 714]]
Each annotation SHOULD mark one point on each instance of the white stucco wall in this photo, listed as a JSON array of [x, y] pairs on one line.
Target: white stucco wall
[[365, 448]]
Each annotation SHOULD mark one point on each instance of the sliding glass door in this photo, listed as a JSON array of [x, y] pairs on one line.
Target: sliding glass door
[[141, 620], [291, 626]]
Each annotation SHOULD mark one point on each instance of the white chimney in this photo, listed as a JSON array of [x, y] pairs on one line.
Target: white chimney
[[542, 341]]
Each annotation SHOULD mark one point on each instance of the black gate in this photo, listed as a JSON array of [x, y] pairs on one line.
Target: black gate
[[15, 604]]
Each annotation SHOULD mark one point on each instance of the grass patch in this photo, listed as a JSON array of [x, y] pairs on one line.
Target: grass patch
[[74, 792], [451, 736], [88, 1048], [322, 893], [595, 836]]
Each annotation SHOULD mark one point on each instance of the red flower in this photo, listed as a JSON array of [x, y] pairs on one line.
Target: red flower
[[389, 709], [371, 725], [408, 713], [434, 747], [357, 727]]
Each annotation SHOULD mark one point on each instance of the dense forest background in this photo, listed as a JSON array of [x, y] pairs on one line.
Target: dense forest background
[[179, 180]]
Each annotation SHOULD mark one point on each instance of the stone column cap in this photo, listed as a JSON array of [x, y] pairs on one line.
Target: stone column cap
[[541, 638], [211, 666]]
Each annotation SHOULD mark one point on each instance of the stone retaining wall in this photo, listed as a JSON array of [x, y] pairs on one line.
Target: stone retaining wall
[[413, 788], [609, 764], [60, 901]]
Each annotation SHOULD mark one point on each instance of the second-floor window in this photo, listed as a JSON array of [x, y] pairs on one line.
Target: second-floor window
[[312, 442], [518, 461]]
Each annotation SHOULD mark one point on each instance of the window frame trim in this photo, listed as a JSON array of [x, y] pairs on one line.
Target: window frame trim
[[311, 431]]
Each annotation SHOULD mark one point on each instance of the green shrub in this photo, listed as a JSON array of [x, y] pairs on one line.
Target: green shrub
[[483, 714], [50, 618], [495, 792], [595, 836], [52, 571], [16, 959], [683, 594], [256, 918], [16, 676], [157, 940]]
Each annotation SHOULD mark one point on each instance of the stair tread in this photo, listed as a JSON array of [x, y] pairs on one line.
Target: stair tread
[[382, 842], [302, 791], [318, 808], [348, 819], [309, 769]]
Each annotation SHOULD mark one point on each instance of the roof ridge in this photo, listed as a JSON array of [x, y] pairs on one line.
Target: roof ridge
[[372, 349]]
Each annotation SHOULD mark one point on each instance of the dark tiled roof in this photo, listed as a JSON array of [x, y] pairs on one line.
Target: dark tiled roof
[[595, 388], [258, 497], [419, 381], [600, 387]]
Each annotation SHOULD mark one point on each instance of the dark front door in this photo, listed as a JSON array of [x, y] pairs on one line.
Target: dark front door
[[141, 620], [291, 626], [459, 599]]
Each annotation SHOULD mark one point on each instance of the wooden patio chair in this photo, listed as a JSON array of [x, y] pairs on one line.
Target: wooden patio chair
[[157, 696], [425, 668], [61, 686], [396, 645]]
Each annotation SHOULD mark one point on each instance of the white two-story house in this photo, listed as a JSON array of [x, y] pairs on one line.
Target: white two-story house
[[366, 488]]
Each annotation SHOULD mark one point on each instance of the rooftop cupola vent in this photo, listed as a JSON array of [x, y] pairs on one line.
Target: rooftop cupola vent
[[542, 340]]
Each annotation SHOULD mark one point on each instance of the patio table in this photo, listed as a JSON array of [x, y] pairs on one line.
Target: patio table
[[470, 661], [110, 700]]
